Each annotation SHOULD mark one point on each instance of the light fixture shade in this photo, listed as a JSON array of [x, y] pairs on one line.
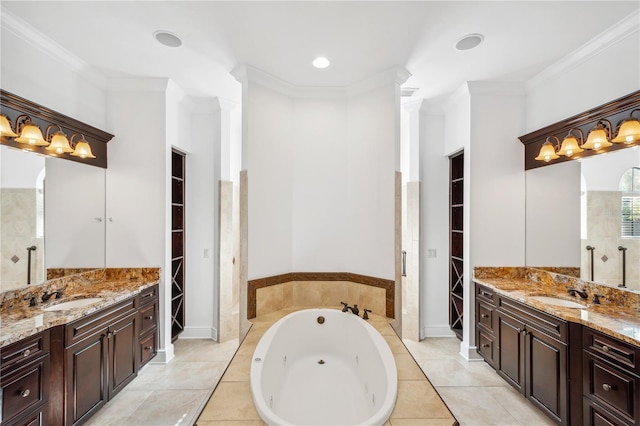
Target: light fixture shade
[[31, 135], [547, 153], [570, 146], [597, 139], [59, 144], [83, 150], [629, 131], [5, 127]]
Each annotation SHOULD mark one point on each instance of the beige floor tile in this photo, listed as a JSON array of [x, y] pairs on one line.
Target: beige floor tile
[[204, 350], [230, 401], [407, 368], [168, 407], [518, 406], [423, 422], [239, 370], [451, 372], [119, 408], [417, 399], [475, 407], [428, 349], [180, 375], [395, 345], [230, 423]]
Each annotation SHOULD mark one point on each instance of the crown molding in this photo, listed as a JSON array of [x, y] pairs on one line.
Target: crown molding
[[246, 74], [30, 35], [505, 88], [140, 84], [614, 34]]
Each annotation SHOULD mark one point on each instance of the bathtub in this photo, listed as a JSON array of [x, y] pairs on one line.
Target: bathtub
[[323, 367]]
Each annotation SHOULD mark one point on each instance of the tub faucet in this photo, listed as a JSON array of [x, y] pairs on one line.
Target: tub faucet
[[365, 315], [46, 295], [353, 309]]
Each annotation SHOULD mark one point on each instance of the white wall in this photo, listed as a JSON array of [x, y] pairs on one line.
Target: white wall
[[321, 181], [554, 95]]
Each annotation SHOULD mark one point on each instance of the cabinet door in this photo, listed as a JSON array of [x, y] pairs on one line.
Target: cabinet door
[[546, 374], [510, 350], [86, 381], [123, 347]]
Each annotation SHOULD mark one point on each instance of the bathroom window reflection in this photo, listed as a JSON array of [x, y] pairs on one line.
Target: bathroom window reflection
[[630, 203]]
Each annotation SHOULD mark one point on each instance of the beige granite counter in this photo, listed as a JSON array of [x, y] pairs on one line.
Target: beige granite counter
[[617, 315], [19, 320]]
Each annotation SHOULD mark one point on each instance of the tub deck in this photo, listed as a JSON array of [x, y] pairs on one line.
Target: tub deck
[[231, 402]]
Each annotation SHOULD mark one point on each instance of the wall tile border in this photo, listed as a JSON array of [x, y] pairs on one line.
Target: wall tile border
[[387, 285]]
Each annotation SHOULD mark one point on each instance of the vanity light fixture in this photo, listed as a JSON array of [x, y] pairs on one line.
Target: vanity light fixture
[[548, 151], [571, 145], [59, 142], [5, 127], [30, 134], [629, 131], [599, 136], [82, 149]]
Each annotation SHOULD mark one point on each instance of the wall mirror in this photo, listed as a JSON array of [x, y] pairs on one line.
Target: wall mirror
[[52, 216], [610, 218]]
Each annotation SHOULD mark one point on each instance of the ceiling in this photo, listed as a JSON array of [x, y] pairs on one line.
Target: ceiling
[[361, 38]]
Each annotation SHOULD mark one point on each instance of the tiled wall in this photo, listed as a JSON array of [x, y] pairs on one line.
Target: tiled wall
[[320, 293], [603, 233], [17, 232]]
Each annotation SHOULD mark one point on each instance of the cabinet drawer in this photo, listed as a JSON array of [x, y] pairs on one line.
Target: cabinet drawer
[[486, 294], [148, 295], [148, 317], [486, 346], [24, 351], [147, 348], [548, 324], [485, 315], [612, 349], [595, 415], [97, 322], [25, 388], [33, 419], [611, 386]]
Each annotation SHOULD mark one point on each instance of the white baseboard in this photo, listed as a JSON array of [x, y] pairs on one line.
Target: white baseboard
[[199, 333], [469, 353], [164, 355], [436, 331]]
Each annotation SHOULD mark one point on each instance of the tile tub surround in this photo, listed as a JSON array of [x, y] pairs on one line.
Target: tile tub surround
[[326, 286], [19, 320], [618, 314], [417, 401]]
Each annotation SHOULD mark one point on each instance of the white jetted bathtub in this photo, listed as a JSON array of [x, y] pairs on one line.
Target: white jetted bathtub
[[323, 367]]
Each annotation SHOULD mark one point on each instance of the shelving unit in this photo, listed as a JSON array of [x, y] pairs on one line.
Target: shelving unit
[[177, 244], [456, 262]]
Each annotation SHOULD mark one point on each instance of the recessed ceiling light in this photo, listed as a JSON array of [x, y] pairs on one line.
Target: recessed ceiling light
[[469, 41], [167, 38], [321, 62]]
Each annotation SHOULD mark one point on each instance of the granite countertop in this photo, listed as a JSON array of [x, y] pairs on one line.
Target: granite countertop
[[617, 316], [19, 320]]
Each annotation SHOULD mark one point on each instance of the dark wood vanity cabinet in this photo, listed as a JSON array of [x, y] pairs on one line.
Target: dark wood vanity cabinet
[[527, 347], [148, 335], [96, 356], [24, 380], [610, 381]]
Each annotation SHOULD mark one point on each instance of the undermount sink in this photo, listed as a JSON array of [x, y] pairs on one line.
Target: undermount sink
[[558, 302], [72, 304]]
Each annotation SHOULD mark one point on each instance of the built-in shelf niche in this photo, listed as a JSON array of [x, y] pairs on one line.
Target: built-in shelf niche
[[456, 262], [177, 244]]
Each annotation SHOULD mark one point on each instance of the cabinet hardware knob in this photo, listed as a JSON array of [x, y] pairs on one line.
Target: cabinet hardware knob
[[605, 348], [150, 317], [25, 393], [484, 315], [484, 293], [485, 345], [26, 352], [149, 348], [606, 387], [148, 295]]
